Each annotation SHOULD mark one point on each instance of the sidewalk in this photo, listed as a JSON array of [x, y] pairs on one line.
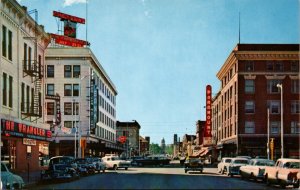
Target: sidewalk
[[32, 179]]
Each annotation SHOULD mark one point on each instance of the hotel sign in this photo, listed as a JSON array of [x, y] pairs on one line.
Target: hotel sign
[[207, 137], [11, 128]]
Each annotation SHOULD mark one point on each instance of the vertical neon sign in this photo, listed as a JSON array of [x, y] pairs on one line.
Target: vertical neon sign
[[207, 131]]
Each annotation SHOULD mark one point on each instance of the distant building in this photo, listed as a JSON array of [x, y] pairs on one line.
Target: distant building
[[249, 79], [144, 147], [188, 141], [163, 146], [131, 130], [199, 132]]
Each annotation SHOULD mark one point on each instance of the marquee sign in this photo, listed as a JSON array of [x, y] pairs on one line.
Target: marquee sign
[[207, 137], [68, 41], [11, 128]]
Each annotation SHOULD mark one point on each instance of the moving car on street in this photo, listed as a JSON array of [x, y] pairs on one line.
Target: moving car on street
[[154, 160], [255, 169], [193, 164]]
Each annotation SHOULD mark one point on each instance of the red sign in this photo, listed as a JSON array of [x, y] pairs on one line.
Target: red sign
[[68, 41], [25, 131], [207, 130], [122, 139], [64, 16]]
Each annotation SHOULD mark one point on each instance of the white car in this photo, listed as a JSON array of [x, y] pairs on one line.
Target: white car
[[224, 165], [255, 169], [114, 162], [10, 180], [235, 164]]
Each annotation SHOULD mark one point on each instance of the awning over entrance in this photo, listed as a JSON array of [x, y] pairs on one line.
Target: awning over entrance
[[202, 152]]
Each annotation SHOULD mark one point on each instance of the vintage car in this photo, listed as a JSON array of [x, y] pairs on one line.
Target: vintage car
[[255, 169], [98, 163], [83, 167], [235, 164], [114, 162], [193, 164], [283, 173], [154, 160], [60, 171], [223, 165], [10, 180]]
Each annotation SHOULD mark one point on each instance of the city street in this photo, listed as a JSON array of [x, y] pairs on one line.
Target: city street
[[158, 178]]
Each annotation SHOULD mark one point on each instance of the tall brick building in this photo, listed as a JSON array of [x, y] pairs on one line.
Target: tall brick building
[[249, 79]]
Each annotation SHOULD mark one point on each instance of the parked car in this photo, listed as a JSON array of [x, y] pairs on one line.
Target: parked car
[[86, 163], [10, 180], [155, 160], [114, 162], [193, 164], [135, 159], [255, 169], [60, 171], [235, 164], [224, 165], [98, 163], [82, 166], [283, 173]]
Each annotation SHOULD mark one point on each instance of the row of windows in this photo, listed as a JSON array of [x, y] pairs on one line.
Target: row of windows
[[274, 127], [27, 98], [7, 90], [69, 89], [7, 36], [70, 108], [105, 105], [73, 71], [271, 86], [107, 120], [273, 105], [274, 66], [102, 133]]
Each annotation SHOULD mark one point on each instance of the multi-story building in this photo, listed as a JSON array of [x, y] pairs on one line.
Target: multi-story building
[[249, 87], [24, 134], [144, 146], [130, 130], [81, 99]]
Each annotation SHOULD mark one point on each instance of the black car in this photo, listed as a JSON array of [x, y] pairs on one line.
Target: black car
[[60, 171], [193, 164], [153, 160]]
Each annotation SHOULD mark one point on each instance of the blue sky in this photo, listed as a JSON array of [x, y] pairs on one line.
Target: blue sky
[[161, 54]]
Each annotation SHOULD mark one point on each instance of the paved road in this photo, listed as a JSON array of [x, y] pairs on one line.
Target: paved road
[[157, 178]]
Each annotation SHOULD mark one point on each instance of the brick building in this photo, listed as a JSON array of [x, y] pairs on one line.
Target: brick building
[[249, 79]]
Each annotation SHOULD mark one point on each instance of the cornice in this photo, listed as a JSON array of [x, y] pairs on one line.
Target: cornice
[[267, 55]]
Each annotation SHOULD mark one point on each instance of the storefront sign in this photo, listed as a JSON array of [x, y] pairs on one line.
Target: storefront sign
[[68, 41], [30, 142], [93, 104], [11, 128], [64, 16], [207, 137]]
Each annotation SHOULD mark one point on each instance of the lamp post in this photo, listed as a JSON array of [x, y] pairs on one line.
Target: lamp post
[[281, 112]]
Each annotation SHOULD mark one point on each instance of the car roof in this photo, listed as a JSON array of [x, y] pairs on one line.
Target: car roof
[[288, 160]]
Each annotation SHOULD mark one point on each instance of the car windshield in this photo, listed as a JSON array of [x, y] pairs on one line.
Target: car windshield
[[295, 165], [265, 163], [227, 160], [115, 158], [240, 161]]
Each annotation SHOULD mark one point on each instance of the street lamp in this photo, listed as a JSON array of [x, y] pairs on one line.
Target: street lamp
[[281, 112]]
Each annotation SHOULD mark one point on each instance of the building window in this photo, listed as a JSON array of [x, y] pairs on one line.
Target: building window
[[275, 127], [249, 66], [4, 90], [75, 108], [50, 89], [4, 31], [10, 45], [29, 59], [27, 99], [68, 124], [272, 86], [295, 66], [249, 86], [295, 106], [274, 106], [68, 90], [249, 107], [10, 92], [68, 108], [75, 89], [25, 57], [50, 71], [270, 66], [76, 71], [278, 66], [68, 71], [22, 97], [295, 127], [249, 127], [50, 108], [295, 86]]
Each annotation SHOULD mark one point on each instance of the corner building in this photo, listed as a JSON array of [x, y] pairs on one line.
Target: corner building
[[24, 134], [80, 99], [249, 79]]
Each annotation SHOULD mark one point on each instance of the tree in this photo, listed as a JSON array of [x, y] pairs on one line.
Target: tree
[[154, 148]]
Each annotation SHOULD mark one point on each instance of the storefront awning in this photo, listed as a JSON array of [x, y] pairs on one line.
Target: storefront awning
[[203, 151]]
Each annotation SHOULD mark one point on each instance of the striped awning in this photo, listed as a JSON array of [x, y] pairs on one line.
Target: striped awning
[[203, 151]]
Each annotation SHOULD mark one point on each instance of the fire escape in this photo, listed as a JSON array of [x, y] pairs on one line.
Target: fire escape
[[32, 109]]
